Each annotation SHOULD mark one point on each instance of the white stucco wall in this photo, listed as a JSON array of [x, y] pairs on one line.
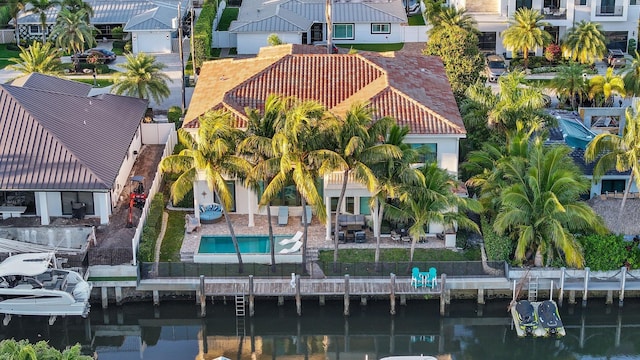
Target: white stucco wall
[[447, 147], [122, 180], [250, 43], [151, 42], [362, 35]]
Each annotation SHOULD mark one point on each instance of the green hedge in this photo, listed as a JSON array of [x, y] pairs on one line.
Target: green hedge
[[609, 252], [203, 32], [499, 248], [151, 229]]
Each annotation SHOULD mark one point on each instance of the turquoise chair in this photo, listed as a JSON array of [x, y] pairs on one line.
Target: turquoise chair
[[416, 280], [433, 277]]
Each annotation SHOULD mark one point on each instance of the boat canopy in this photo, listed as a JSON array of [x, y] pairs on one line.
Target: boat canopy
[[28, 264]]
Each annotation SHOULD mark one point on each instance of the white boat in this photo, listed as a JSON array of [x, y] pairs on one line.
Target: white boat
[[409, 357], [30, 286]]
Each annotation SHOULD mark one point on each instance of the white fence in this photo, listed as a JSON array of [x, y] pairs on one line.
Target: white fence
[[7, 36], [224, 39], [416, 33], [172, 139], [156, 133]]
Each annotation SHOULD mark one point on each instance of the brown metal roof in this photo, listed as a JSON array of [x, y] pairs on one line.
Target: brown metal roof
[[52, 83], [56, 141], [413, 89]]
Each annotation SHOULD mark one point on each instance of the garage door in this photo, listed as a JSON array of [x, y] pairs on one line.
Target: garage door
[[153, 42]]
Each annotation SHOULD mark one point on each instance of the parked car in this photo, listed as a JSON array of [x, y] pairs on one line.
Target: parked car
[[495, 67], [334, 49], [103, 56], [615, 58]]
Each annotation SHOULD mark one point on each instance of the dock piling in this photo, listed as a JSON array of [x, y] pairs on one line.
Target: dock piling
[[203, 298], [346, 295], [298, 297], [443, 294], [392, 294], [587, 272], [481, 296], [251, 297], [104, 296], [562, 276], [156, 297], [623, 280]]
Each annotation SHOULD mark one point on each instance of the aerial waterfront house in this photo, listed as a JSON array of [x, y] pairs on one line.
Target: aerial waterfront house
[[413, 89]]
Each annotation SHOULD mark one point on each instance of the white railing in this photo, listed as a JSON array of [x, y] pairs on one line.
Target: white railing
[[7, 36], [155, 186]]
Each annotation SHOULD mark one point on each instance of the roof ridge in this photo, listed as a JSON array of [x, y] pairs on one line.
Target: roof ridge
[[424, 107]]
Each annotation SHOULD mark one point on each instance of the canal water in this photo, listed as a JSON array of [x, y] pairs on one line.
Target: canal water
[[175, 331]]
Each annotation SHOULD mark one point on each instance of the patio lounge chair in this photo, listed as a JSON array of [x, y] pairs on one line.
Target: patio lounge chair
[[283, 215], [433, 278], [309, 215], [416, 279], [293, 239], [294, 248]]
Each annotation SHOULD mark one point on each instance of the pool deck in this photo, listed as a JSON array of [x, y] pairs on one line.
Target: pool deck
[[315, 240]]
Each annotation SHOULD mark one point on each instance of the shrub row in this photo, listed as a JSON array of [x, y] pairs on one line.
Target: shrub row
[[609, 252], [498, 248], [203, 32], [151, 229]]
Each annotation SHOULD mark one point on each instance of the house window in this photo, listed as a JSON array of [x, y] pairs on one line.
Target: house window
[[232, 189], [68, 198], [487, 41], [633, 2], [364, 205], [343, 31], [35, 30], [381, 28], [613, 186], [427, 153], [349, 206], [523, 4], [584, 2], [19, 198]]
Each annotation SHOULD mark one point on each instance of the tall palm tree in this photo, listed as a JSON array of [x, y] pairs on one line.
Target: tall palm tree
[[631, 76], [432, 200], [391, 173], [451, 16], [15, 7], [526, 32], [302, 146], [602, 88], [358, 145], [257, 147], [38, 58], [72, 31], [143, 77], [570, 82], [40, 8], [585, 42], [618, 152], [212, 153], [78, 5], [540, 204]]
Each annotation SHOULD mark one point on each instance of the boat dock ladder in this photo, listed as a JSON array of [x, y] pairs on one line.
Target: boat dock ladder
[[240, 315], [533, 289]]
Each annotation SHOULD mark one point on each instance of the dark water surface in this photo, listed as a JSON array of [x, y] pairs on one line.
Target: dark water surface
[[174, 331]]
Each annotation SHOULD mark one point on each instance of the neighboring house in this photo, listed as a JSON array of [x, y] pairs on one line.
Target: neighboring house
[[304, 22], [61, 147], [149, 22], [619, 18], [413, 89]]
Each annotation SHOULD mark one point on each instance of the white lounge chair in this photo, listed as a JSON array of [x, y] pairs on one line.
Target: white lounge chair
[[292, 249], [295, 238]]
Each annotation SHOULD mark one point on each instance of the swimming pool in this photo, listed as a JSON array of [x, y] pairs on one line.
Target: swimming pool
[[253, 248], [575, 134]]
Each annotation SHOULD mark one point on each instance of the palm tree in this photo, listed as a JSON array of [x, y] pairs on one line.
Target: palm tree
[[450, 16], [433, 8], [391, 173], [78, 5], [585, 43], [570, 82], [604, 87], [302, 146], [37, 58], [540, 202], [211, 153], [432, 200], [631, 76], [358, 145], [526, 32], [143, 77], [618, 152], [72, 31], [257, 147], [41, 7], [15, 7]]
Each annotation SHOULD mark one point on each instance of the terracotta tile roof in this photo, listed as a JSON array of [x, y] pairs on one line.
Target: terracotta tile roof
[[411, 88]]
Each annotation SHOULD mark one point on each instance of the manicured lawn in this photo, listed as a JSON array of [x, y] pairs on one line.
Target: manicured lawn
[[416, 20], [173, 236], [373, 47], [5, 55], [228, 15]]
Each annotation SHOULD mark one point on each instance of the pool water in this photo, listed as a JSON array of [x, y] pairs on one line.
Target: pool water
[[576, 134], [249, 244]]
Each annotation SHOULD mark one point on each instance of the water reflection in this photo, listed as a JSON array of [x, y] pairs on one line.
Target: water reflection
[[174, 331]]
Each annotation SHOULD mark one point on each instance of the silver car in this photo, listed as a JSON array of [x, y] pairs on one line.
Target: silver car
[[495, 67]]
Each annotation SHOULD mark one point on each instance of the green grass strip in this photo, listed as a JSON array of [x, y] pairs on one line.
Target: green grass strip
[[173, 236], [399, 255], [228, 15]]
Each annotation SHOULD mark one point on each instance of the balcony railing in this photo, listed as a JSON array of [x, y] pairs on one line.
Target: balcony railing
[[609, 10], [554, 13]]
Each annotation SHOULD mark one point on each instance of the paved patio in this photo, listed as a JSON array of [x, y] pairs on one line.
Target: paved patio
[[317, 234]]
